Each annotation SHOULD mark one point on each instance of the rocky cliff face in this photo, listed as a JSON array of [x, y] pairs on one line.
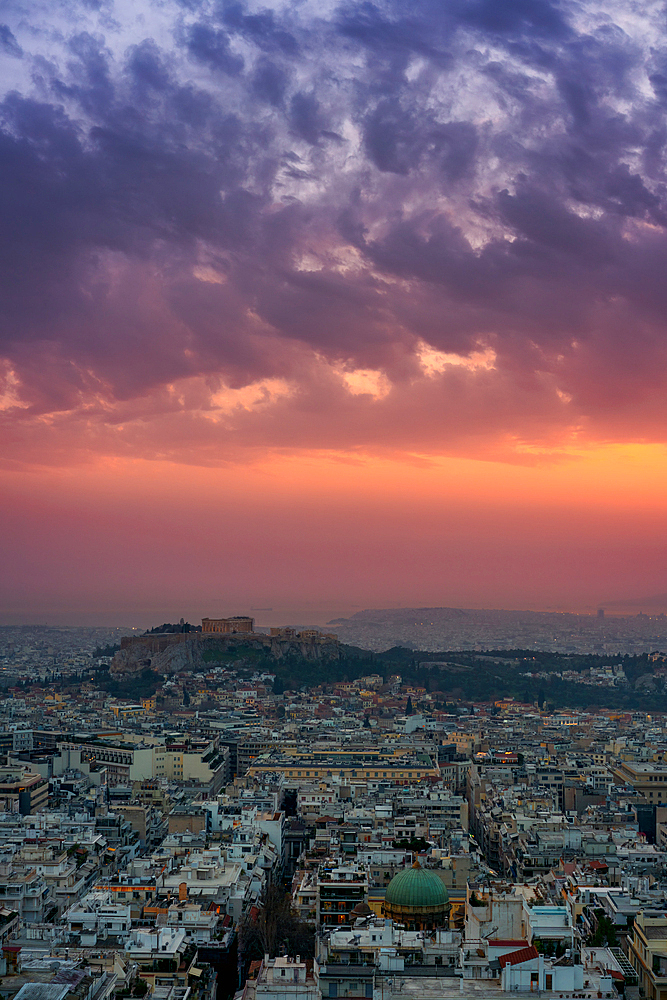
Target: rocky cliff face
[[169, 655]]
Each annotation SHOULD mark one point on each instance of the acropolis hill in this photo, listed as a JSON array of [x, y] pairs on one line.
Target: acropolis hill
[[222, 640]]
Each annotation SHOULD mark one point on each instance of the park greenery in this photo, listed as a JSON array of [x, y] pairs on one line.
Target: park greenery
[[133, 686], [453, 677]]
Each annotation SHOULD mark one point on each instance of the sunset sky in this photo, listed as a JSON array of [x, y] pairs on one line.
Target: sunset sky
[[327, 305]]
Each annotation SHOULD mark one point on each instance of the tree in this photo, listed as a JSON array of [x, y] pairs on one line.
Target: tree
[[186, 697], [408, 707], [367, 722], [417, 845], [290, 802], [260, 935], [605, 934], [276, 925], [278, 685]]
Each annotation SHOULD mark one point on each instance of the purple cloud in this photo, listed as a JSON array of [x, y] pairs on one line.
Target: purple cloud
[[229, 195]]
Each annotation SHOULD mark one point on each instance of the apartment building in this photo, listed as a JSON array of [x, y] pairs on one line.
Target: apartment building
[[163, 956], [349, 765], [65, 881], [249, 748], [647, 951], [338, 891], [199, 924], [649, 780], [95, 919], [201, 761], [282, 978], [22, 790], [24, 891], [207, 878], [117, 758]]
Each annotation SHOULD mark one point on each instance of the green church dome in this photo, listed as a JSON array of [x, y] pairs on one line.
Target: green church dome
[[416, 888]]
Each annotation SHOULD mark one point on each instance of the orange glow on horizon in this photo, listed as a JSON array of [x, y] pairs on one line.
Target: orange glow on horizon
[[632, 476], [123, 534]]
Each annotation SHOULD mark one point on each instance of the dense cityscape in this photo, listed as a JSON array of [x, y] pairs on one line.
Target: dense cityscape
[[333, 479], [178, 818], [458, 628]]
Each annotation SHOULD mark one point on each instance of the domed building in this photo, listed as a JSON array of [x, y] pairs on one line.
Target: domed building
[[361, 911], [417, 898]]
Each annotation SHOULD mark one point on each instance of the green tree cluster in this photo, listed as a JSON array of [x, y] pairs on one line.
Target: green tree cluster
[[605, 934], [132, 686]]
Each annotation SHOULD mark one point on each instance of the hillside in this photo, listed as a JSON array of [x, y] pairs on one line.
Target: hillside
[[548, 679], [175, 653]]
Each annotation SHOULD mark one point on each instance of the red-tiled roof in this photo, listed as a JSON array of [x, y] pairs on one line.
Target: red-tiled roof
[[517, 957]]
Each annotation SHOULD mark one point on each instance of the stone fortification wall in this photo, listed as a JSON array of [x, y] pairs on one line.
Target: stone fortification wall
[[171, 653]]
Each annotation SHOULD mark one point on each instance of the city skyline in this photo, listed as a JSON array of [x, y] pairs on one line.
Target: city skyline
[[325, 307]]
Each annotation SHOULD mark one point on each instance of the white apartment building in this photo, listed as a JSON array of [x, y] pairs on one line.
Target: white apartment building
[[24, 891], [282, 979], [206, 879], [199, 925], [95, 918]]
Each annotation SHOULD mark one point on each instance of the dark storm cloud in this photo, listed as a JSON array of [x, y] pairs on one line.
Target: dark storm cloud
[[397, 141], [211, 47], [8, 43], [93, 87], [263, 29], [273, 191], [269, 82], [432, 30], [395, 38], [305, 117], [537, 18]]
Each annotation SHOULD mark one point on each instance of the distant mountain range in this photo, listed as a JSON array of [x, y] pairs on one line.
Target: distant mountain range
[[473, 628]]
